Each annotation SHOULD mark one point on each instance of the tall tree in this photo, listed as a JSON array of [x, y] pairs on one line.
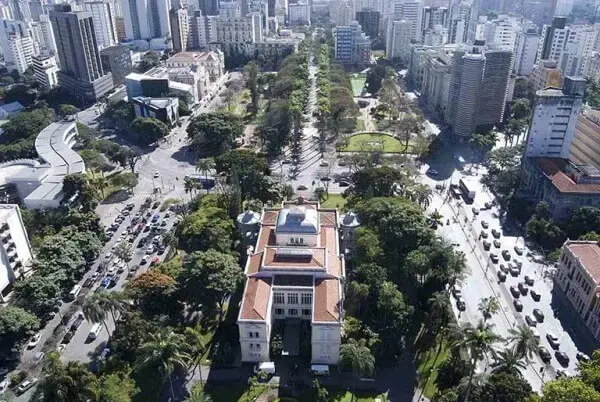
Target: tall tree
[[251, 71], [488, 307], [72, 382], [148, 129], [215, 133], [15, 324], [117, 387], [356, 357], [508, 361], [165, 352], [524, 341]]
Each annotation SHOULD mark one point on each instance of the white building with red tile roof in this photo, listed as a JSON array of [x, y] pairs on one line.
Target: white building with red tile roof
[[296, 271], [578, 275], [213, 62]]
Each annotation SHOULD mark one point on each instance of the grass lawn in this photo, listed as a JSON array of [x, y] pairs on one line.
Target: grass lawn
[[358, 83], [360, 124], [428, 357], [368, 142], [334, 201], [233, 392], [338, 395]]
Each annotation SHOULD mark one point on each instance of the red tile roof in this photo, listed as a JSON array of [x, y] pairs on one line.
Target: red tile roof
[[316, 261], [256, 299], [589, 256], [327, 300], [328, 218], [562, 182]]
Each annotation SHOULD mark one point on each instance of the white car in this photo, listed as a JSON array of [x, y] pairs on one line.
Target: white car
[[150, 249], [3, 386], [156, 174], [25, 385], [108, 256], [34, 341]]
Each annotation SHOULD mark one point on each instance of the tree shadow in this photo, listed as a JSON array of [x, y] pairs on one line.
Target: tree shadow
[[185, 154]]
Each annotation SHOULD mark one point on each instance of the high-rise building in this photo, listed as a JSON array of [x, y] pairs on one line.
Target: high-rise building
[[585, 148], [238, 34], [209, 7], [179, 28], [563, 7], [545, 74], [434, 17], [555, 114], [351, 45], [399, 40], [117, 61], [298, 14], [44, 36], [202, 31], [460, 17], [20, 10], [103, 16], [46, 71], [436, 36], [569, 46], [229, 9], [15, 250], [525, 50], [17, 44], [81, 72], [368, 19], [146, 19], [478, 88], [502, 32]]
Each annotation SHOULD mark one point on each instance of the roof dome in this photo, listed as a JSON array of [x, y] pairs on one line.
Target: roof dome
[[349, 219], [248, 217]]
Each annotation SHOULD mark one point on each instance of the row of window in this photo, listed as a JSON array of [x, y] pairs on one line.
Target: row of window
[[253, 335], [255, 346], [292, 298], [296, 240], [293, 311]]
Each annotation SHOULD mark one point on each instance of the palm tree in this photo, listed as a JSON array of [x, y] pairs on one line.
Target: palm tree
[[195, 339], [508, 361], [205, 165], [357, 357], [524, 340], [164, 351], [477, 342], [72, 382], [488, 307], [422, 195], [438, 308], [198, 395], [98, 304]]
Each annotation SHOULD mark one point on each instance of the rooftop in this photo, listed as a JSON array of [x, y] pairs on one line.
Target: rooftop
[[158, 103], [588, 254], [191, 57], [556, 170], [297, 220]]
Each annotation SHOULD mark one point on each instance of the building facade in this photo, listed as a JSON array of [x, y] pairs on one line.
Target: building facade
[[578, 276], [46, 71], [212, 62], [163, 109], [299, 14], [585, 148], [105, 25], [236, 35], [117, 61], [369, 21], [146, 19], [81, 72], [526, 46], [554, 117], [546, 74], [351, 45], [179, 28], [17, 44], [399, 41], [294, 275], [15, 250]]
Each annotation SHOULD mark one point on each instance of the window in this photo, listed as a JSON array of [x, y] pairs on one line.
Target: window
[[256, 335], [279, 311], [306, 298], [301, 240], [251, 346], [293, 311], [278, 298], [258, 346], [306, 311], [292, 298], [250, 334]]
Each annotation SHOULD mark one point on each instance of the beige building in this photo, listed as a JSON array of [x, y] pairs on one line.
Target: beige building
[[546, 74], [578, 276], [585, 148], [295, 275], [212, 62]]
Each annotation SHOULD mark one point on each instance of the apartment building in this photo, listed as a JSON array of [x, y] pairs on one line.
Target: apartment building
[[578, 276], [17, 44], [399, 41], [237, 34], [369, 21], [105, 25], [294, 274], [299, 14], [15, 250], [527, 42], [352, 46], [179, 28], [546, 74], [554, 117], [146, 19], [202, 30]]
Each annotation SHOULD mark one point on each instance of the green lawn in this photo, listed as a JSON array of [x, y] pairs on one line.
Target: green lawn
[[338, 395], [369, 142], [428, 357], [334, 201], [358, 82], [233, 392]]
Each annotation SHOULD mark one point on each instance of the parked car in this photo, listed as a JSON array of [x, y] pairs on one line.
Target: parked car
[[515, 292], [456, 292], [497, 243], [529, 280], [538, 314], [506, 255], [150, 249], [519, 250], [582, 357], [501, 276], [495, 233], [486, 245], [432, 172], [535, 295], [544, 354], [484, 234], [144, 260], [562, 358], [67, 338], [531, 321], [4, 386], [76, 323], [38, 357], [494, 258], [553, 340], [523, 288], [518, 305], [3, 371], [155, 218], [460, 305], [26, 385], [514, 271], [35, 339], [504, 268], [475, 211], [485, 225]]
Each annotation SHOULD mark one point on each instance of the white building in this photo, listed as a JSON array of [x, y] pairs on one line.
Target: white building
[[299, 14], [44, 35], [17, 44], [202, 30], [399, 40], [578, 276], [412, 12], [238, 34], [436, 36], [342, 13], [104, 20], [180, 29], [46, 71], [554, 119], [230, 9], [502, 32], [460, 17], [146, 19], [40, 184], [525, 51], [212, 62], [295, 274], [15, 250], [592, 67]]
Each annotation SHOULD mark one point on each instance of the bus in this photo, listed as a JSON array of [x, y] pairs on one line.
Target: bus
[[207, 182], [467, 193], [95, 331], [75, 292]]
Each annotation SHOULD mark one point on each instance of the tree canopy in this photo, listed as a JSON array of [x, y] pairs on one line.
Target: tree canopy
[[215, 133]]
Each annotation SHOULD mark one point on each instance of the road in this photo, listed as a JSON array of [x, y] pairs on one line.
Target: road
[[482, 280], [172, 161]]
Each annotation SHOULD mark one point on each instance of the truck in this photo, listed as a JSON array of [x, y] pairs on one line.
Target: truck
[[467, 193]]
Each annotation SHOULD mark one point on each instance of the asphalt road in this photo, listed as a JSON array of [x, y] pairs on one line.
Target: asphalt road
[[172, 161], [482, 280]]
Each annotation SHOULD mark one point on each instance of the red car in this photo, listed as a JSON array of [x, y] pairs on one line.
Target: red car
[[154, 261]]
